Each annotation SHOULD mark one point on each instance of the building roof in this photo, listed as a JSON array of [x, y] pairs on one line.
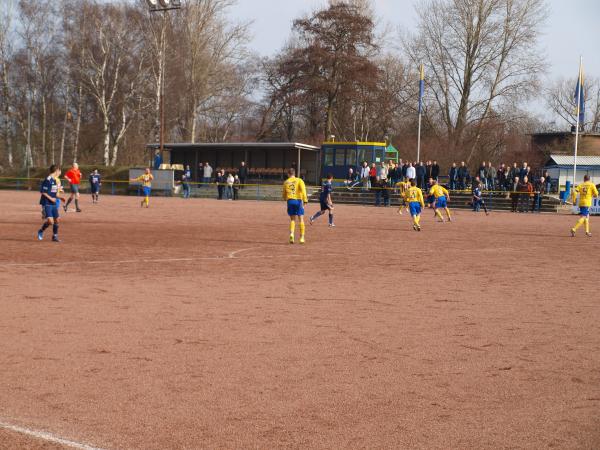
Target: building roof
[[568, 160], [236, 145]]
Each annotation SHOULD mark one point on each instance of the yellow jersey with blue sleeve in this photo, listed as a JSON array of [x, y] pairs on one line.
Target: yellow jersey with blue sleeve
[[438, 191], [587, 191], [146, 179], [294, 189]]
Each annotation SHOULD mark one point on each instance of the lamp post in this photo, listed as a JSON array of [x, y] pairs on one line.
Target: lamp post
[[162, 6]]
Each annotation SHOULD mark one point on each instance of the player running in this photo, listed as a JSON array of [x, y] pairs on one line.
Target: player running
[[325, 200], [587, 191], [48, 199], [441, 197], [73, 176], [146, 180], [95, 183], [414, 197], [294, 192], [404, 187]]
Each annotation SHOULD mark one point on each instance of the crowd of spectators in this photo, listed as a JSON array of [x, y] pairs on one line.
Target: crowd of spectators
[[525, 186]]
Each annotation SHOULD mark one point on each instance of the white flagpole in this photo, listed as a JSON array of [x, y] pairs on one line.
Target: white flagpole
[[580, 84], [420, 111]]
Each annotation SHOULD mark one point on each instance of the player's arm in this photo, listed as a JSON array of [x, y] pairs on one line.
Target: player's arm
[[446, 193], [284, 194], [594, 191], [421, 200], [302, 187]]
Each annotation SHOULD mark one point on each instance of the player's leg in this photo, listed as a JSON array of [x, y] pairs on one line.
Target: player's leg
[[437, 213], [331, 224], [292, 228], [55, 228], [47, 222], [76, 190], [579, 223], [302, 228], [315, 216], [448, 214], [587, 226]]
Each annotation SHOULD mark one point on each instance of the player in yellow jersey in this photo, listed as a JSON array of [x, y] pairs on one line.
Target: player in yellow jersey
[[442, 197], [146, 180], [414, 197], [587, 192], [404, 187], [294, 192]]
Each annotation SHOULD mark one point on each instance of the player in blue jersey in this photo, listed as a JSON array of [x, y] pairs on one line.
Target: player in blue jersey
[[48, 201], [325, 200], [95, 183]]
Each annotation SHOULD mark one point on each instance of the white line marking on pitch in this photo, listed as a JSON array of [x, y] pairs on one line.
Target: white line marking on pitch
[[230, 255], [48, 437]]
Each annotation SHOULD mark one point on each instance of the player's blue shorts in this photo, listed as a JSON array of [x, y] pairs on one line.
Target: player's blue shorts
[[324, 205], [584, 211], [146, 190], [95, 188], [441, 202], [414, 208], [295, 208], [50, 211]]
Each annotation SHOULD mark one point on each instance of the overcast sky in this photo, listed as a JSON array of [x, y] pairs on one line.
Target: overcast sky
[[573, 28]]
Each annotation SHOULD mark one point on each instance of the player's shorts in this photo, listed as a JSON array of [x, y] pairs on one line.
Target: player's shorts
[[415, 208], [50, 211], [295, 208], [584, 211], [430, 199], [441, 202], [325, 205], [146, 190], [95, 188], [75, 188]]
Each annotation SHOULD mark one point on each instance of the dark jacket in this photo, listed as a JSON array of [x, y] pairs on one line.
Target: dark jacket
[[428, 171], [421, 171], [243, 172], [463, 172], [453, 174], [435, 170]]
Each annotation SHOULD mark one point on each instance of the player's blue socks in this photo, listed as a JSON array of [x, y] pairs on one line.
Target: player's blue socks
[[46, 225], [330, 219], [318, 214], [55, 229]]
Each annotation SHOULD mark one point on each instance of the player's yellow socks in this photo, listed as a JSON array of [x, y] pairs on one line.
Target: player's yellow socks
[[416, 220], [587, 225], [448, 213], [579, 223], [292, 227], [439, 214], [302, 228]]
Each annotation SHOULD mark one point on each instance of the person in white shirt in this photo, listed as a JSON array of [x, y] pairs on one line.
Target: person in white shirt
[[411, 173], [207, 174], [230, 180], [364, 176]]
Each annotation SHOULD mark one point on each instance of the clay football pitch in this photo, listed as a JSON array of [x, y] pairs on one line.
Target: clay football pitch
[[194, 324]]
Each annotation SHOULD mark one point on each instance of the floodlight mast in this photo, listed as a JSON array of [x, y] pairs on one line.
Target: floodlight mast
[[164, 6]]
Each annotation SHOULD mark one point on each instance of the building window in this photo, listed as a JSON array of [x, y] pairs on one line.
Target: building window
[[340, 157], [351, 157], [328, 160]]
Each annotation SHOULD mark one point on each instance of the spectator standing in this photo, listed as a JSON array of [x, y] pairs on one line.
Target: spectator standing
[[373, 175], [236, 187], [229, 187], [411, 172], [157, 160], [364, 176], [428, 167], [514, 173], [548, 181], [220, 180], [525, 194], [524, 171], [491, 176], [243, 174], [421, 171], [435, 171], [453, 176], [481, 172], [207, 172], [514, 195], [501, 177], [540, 190], [463, 176]]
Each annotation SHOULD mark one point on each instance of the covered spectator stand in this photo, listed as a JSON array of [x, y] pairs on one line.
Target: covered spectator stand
[[264, 159]]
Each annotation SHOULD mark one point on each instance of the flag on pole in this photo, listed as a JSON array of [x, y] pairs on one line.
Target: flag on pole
[[421, 87], [580, 97]]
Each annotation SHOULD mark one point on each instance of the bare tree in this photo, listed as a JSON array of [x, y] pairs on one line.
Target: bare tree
[[479, 55], [560, 98]]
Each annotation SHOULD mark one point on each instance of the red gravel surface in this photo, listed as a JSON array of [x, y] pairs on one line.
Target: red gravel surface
[[193, 324]]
